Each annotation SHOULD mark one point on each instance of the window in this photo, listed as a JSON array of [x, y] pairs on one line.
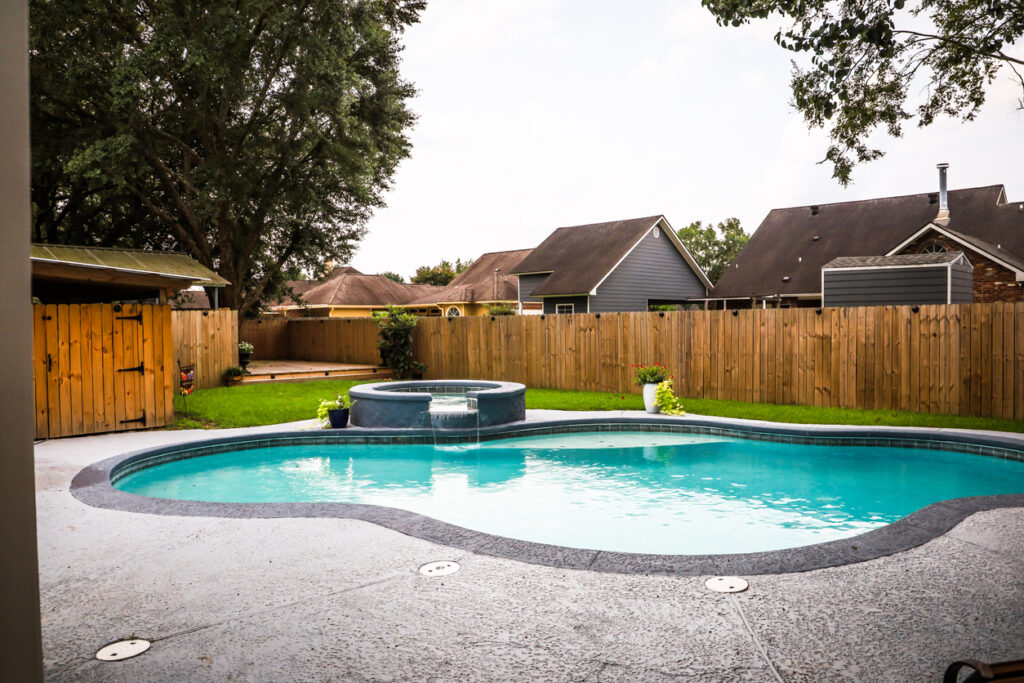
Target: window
[[453, 312], [933, 248], [564, 308]]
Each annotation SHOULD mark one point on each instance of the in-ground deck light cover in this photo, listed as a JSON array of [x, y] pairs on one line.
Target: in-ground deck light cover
[[93, 486]]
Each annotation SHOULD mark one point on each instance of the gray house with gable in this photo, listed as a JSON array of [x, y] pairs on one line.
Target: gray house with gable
[[626, 265]]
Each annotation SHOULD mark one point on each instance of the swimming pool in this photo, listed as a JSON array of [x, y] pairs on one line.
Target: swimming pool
[[659, 493]]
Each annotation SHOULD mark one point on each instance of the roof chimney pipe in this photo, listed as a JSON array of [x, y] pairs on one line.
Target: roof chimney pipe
[[943, 195]]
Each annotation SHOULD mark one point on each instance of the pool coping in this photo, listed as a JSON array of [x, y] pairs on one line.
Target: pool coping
[[93, 486]]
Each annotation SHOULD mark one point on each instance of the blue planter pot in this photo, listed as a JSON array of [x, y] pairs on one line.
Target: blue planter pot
[[338, 418]]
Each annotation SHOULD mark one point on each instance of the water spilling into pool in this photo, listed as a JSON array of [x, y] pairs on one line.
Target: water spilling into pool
[[621, 491]]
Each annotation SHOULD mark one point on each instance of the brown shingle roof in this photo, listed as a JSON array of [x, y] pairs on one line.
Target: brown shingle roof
[[352, 289], [477, 283], [578, 257], [785, 246]]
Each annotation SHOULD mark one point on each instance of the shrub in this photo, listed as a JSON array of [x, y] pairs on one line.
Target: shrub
[[394, 339], [501, 309], [662, 307], [650, 374]]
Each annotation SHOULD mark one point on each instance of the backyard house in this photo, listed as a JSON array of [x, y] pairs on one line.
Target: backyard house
[[782, 263], [626, 265]]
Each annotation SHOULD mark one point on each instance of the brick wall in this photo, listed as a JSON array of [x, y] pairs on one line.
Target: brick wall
[[992, 282]]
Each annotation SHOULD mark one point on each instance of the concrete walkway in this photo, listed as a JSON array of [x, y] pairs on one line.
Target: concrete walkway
[[341, 600]]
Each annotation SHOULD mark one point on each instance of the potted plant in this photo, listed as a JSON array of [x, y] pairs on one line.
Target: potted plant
[[233, 375], [649, 376], [244, 354], [333, 411]]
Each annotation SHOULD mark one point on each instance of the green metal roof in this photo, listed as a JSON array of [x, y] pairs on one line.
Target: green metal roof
[[165, 263]]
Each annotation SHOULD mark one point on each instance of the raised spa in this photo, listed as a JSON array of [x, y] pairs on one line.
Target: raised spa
[[437, 404]]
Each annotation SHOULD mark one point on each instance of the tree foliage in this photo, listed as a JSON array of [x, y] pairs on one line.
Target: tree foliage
[[441, 274], [870, 59], [257, 137], [392, 276], [714, 247]]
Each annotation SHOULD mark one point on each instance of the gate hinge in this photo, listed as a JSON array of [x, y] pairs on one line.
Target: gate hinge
[[137, 317], [136, 419], [139, 368]]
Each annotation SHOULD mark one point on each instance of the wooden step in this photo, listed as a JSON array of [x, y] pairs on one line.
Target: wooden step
[[307, 375]]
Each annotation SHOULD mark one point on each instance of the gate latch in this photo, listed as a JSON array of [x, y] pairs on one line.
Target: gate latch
[[139, 368], [137, 317]]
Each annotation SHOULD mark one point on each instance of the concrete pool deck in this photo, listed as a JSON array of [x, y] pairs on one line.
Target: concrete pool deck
[[341, 599]]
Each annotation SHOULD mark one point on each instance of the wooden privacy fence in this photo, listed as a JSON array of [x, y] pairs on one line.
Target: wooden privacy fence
[[348, 340], [101, 368], [963, 359], [209, 341]]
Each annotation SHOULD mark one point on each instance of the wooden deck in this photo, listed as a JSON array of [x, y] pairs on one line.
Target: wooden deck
[[303, 370]]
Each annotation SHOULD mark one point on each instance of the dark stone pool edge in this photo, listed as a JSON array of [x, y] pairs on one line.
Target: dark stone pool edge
[[93, 486]]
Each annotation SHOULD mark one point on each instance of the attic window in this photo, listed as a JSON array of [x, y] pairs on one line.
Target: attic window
[[453, 312], [934, 248]]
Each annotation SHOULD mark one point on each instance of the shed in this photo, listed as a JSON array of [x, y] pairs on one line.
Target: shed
[[904, 279]]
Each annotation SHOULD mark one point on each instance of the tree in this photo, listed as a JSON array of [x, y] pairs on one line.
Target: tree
[[714, 247], [441, 274], [392, 276], [869, 57], [257, 137]]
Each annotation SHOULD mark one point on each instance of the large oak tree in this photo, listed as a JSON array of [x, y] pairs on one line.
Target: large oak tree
[[875, 64], [258, 136]]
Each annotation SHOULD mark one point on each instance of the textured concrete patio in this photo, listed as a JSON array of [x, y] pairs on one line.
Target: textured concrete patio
[[341, 600]]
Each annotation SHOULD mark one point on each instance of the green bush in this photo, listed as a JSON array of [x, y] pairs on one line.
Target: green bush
[[501, 309], [394, 339]]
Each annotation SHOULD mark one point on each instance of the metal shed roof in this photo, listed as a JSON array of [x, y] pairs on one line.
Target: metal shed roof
[[164, 264]]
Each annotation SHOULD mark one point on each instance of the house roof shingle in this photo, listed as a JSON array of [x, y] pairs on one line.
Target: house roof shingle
[[579, 256], [356, 289], [477, 283], [937, 259], [796, 242]]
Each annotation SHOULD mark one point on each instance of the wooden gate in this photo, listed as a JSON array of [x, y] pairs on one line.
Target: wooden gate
[[101, 368]]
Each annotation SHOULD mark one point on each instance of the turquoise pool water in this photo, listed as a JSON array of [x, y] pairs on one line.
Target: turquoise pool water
[[622, 491]]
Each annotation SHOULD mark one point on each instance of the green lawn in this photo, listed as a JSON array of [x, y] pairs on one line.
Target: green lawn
[[249, 405]]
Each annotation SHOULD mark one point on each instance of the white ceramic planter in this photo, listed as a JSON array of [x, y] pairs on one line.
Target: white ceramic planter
[[650, 405]]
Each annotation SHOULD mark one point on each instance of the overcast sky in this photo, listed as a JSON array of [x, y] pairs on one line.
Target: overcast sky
[[536, 114]]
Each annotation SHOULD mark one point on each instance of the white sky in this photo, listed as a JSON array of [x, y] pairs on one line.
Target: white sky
[[536, 114]]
